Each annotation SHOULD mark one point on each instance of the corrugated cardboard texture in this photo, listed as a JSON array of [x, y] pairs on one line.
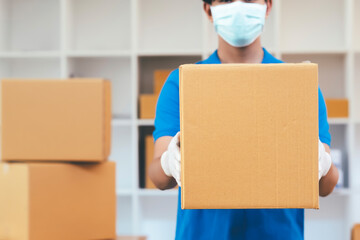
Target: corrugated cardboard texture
[[249, 136], [57, 201], [64, 120], [147, 104], [149, 155], [160, 77], [355, 233], [337, 108]]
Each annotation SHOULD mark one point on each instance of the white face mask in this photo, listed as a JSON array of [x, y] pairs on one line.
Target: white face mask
[[239, 23]]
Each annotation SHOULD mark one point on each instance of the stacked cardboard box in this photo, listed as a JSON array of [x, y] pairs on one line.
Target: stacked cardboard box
[[147, 102], [355, 232], [55, 178]]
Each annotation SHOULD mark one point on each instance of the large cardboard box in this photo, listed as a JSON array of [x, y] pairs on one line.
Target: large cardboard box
[[355, 233], [147, 105], [149, 155], [160, 77], [63, 120], [41, 201], [249, 136], [337, 108]]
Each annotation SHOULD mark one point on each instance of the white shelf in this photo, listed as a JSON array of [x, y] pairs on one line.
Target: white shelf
[[268, 38], [330, 218], [31, 54], [99, 24], [121, 122], [32, 25], [116, 69], [341, 192], [124, 219], [302, 27], [30, 68], [356, 28], [169, 52], [121, 154], [339, 140], [98, 53], [145, 122], [124, 192], [126, 40], [356, 88], [315, 51], [156, 34], [331, 71], [158, 217], [338, 121], [156, 192]]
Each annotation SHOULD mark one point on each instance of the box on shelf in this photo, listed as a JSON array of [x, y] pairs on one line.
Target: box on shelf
[[57, 201], [149, 154], [160, 77], [147, 106], [249, 136], [337, 108], [355, 233], [56, 119]]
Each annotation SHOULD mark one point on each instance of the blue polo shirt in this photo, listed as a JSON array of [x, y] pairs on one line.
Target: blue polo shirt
[[228, 224]]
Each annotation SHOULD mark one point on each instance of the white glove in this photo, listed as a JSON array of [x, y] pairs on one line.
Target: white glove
[[170, 159], [324, 160]]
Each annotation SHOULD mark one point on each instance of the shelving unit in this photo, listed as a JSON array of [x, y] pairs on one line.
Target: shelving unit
[[126, 40], [356, 29], [308, 31]]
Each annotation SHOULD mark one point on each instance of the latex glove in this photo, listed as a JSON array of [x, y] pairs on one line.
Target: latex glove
[[324, 160], [171, 158]]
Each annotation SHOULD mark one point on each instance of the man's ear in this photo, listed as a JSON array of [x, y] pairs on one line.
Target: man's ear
[[207, 11], [269, 7]]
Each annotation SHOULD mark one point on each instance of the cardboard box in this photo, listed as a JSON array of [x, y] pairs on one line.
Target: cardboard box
[[56, 120], [249, 136], [337, 108], [355, 233], [41, 201], [147, 106], [160, 77], [149, 155]]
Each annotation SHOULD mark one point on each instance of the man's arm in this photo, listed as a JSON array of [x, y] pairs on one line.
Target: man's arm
[[156, 173], [329, 181]]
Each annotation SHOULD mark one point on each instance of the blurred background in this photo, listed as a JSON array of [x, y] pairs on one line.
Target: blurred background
[[128, 41]]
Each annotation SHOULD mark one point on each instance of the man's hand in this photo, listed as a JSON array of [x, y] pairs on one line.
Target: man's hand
[[324, 161], [171, 159]]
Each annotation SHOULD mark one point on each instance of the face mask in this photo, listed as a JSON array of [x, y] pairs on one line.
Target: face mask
[[239, 23]]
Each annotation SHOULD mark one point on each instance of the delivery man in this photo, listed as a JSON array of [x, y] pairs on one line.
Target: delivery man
[[239, 24]]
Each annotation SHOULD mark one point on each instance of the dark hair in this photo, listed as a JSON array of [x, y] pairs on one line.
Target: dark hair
[[210, 1]]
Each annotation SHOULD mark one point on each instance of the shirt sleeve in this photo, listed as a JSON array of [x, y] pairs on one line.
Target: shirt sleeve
[[324, 133], [167, 115]]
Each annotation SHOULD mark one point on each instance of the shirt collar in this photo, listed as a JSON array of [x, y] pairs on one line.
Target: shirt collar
[[214, 58]]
